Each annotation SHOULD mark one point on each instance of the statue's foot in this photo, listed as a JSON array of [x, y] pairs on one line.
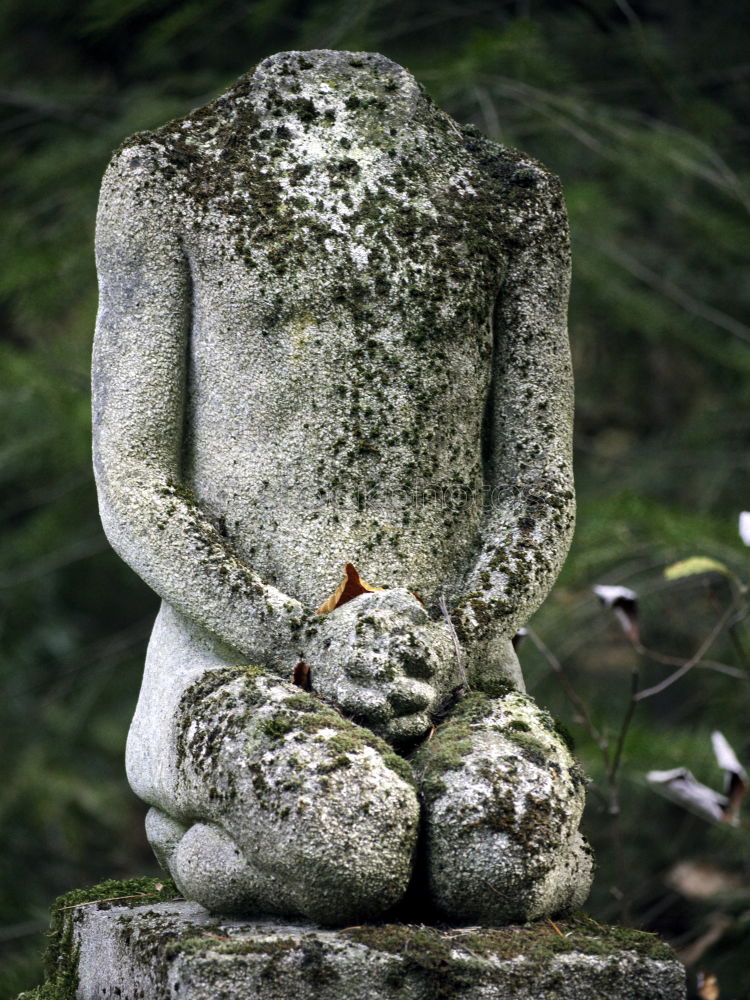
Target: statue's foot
[[291, 808], [164, 834], [206, 864], [209, 867], [503, 800]]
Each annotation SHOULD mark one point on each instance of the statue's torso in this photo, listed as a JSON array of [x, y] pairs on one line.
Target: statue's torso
[[344, 273]]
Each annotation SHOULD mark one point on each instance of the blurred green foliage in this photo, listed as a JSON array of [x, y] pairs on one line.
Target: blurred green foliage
[[642, 110]]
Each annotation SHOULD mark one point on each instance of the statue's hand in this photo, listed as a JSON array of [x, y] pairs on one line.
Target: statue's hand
[[383, 662], [489, 655]]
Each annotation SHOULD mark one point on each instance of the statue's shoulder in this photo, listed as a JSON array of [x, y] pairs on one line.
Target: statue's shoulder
[[509, 166], [132, 198], [531, 194]]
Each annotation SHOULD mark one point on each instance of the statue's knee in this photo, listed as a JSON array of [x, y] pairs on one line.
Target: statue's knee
[[503, 799], [321, 805], [342, 804], [213, 727], [358, 859]]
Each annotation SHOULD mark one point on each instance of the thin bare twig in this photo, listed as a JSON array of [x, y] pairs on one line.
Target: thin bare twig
[[679, 661], [571, 694], [694, 660], [111, 899], [732, 632], [678, 295], [456, 644], [627, 719]]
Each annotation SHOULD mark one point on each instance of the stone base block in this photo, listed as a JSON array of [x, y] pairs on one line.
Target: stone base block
[[176, 950]]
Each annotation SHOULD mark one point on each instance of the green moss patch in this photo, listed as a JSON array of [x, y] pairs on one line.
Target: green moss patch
[[450, 743], [305, 714], [216, 708], [273, 947], [450, 959], [61, 956]]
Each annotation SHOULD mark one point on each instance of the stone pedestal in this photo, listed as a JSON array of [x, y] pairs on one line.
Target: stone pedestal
[[155, 950]]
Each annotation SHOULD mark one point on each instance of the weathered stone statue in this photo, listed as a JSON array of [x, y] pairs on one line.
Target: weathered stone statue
[[332, 329]]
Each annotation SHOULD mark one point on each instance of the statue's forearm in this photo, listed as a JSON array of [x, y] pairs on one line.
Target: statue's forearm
[[152, 521], [159, 529], [530, 513], [527, 534]]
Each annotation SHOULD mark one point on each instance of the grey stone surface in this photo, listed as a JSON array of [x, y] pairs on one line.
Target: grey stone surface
[[177, 950], [331, 329], [503, 798]]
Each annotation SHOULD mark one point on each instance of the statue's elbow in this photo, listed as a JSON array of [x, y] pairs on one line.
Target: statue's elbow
[[125, 509]]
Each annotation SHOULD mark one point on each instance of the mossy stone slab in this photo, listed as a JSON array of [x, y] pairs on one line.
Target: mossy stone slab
[[177, 949]]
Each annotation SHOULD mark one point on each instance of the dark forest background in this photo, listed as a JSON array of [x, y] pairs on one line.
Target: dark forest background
[[643, 109]]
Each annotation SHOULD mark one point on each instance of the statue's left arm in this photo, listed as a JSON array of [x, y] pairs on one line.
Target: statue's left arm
[[529, 504]]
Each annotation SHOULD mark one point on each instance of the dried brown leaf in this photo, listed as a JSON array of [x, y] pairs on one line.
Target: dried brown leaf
[[351, 586], [708, 986], [301, 676]]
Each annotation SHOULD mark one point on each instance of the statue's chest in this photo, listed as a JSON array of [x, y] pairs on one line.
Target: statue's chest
[[355, 295], [355, 247]]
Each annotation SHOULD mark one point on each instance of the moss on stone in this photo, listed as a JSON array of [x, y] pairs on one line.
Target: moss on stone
[[492, 685], [431, 948], [223, 159], [529, 746], [273, 947], [61, 955], [518, 725], [424, 951], [211, 717], [444, 960], [307, 714], [451, 742], [309, 953], [118, 892]]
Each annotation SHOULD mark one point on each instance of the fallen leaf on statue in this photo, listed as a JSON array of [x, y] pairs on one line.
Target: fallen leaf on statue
[[301, 676], [350, 587]]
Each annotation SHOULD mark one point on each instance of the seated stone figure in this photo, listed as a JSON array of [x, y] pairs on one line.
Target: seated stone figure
[[332, 329]]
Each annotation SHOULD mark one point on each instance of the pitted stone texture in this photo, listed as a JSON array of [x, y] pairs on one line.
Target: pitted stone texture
[[503, 801], [331, 329], [176, 950], [384, 663], [278, 804]]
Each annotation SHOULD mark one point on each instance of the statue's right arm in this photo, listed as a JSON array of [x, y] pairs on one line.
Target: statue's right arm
[[151, 519]]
